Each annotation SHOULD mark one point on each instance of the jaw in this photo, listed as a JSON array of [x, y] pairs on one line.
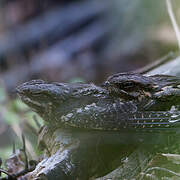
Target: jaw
[[33, 104]]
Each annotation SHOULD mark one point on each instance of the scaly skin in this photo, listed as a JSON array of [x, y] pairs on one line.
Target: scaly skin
[[93, 119], [125, 101]]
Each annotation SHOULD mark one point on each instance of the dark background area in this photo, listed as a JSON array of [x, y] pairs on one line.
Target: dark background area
[[63, 40]]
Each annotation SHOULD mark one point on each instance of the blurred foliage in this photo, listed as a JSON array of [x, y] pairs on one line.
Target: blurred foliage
[[77, 80], [17, 119]]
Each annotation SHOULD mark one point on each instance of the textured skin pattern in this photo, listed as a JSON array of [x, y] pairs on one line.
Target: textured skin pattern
[[124, 101]]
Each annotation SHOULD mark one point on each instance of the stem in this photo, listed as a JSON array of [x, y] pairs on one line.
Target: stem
[[173, 20]]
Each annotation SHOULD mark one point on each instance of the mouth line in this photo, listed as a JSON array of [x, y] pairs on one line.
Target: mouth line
[[34, 105]]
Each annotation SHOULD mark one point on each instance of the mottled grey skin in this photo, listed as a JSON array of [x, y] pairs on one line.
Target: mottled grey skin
[[97, 120], [124, 101]]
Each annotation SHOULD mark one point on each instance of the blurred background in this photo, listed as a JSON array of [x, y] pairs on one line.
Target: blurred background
[[73, 40]]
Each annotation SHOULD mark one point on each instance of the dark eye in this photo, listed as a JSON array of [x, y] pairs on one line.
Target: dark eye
[[125, 85], [128, 85]]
